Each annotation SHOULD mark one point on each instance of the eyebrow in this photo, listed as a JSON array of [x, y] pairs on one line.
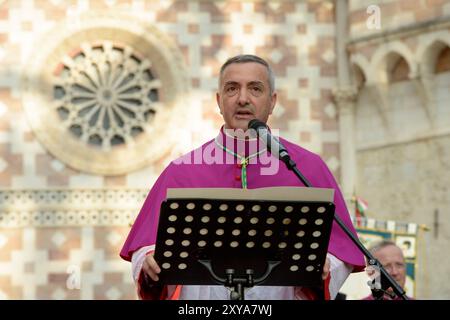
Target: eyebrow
[[256, 82], [250, 83], [229, 82]]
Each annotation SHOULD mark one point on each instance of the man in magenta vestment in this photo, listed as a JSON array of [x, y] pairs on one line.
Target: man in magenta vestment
[[246, 91]]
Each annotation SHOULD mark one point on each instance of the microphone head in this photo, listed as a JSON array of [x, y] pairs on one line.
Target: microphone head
[[256, 124]]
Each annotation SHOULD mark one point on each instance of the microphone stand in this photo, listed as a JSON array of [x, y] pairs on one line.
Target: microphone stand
[[386, 279]]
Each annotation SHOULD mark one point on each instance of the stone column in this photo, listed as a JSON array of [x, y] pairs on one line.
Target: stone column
[[345, 101], [345, 97]]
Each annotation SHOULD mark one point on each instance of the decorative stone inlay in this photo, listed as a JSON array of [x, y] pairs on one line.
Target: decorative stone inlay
[[330, 110], [276, 56], [99, 95], [329, 56], [57, 165], [59, 294], [46, 208], [3, 240], [113, 238], [113, 293], [58, 239], [3, 108], [333, 163], [3, 165]]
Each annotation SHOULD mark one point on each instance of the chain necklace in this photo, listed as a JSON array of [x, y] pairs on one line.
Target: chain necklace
[[243, 161]]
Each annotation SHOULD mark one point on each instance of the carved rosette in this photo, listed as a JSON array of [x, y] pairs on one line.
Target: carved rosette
[[99, 93]]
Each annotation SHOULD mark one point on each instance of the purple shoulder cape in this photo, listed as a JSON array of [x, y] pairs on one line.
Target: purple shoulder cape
[[191, 174]]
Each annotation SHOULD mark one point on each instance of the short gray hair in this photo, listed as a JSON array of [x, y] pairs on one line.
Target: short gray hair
[[243, 58], [378, 245]]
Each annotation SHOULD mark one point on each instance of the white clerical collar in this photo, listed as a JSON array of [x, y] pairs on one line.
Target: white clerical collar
[[238, 134]]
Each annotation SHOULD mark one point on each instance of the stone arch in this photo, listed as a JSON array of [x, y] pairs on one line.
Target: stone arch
[[434, 60], [430, 45], [397, 68], [430, 56], [443, 61], [359, 70], [358, 77], [387, 57]]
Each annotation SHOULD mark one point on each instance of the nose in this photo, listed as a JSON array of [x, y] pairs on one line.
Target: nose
[[243, 97], [394, 271]]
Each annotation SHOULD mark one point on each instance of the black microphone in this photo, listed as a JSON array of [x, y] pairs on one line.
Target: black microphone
[[274, 146]]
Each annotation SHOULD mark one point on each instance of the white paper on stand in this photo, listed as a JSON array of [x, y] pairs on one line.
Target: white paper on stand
[[271, 193]]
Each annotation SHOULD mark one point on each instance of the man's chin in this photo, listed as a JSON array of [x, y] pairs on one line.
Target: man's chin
[[241, 124]]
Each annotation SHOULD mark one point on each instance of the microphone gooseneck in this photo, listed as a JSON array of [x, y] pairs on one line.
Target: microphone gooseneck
[[274, 145]]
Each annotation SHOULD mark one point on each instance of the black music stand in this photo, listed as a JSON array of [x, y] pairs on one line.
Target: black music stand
[[243, 243]]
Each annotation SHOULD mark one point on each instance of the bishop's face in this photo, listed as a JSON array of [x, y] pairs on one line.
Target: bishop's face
[[244, 94]]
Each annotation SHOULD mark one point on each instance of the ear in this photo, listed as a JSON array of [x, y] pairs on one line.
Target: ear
[[218, 102], [273, 101]]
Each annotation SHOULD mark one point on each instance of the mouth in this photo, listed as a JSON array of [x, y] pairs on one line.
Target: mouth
[[244, 114]]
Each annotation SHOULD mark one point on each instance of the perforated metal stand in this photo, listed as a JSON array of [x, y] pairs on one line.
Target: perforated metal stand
[[239, 283], [243, 243]]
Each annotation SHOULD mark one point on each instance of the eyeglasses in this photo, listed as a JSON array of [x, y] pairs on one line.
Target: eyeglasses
[[255, 89]]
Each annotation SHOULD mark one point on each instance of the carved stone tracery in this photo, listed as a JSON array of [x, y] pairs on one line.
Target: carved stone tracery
[[106, 94], [100, 93]]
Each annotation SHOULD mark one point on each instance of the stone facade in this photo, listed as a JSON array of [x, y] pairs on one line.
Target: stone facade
[[402, 123], [59, 155]]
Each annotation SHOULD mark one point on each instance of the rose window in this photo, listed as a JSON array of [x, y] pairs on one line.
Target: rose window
[[106, 94]]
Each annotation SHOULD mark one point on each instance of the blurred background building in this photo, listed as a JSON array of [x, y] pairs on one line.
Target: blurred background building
[[97, 96]]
